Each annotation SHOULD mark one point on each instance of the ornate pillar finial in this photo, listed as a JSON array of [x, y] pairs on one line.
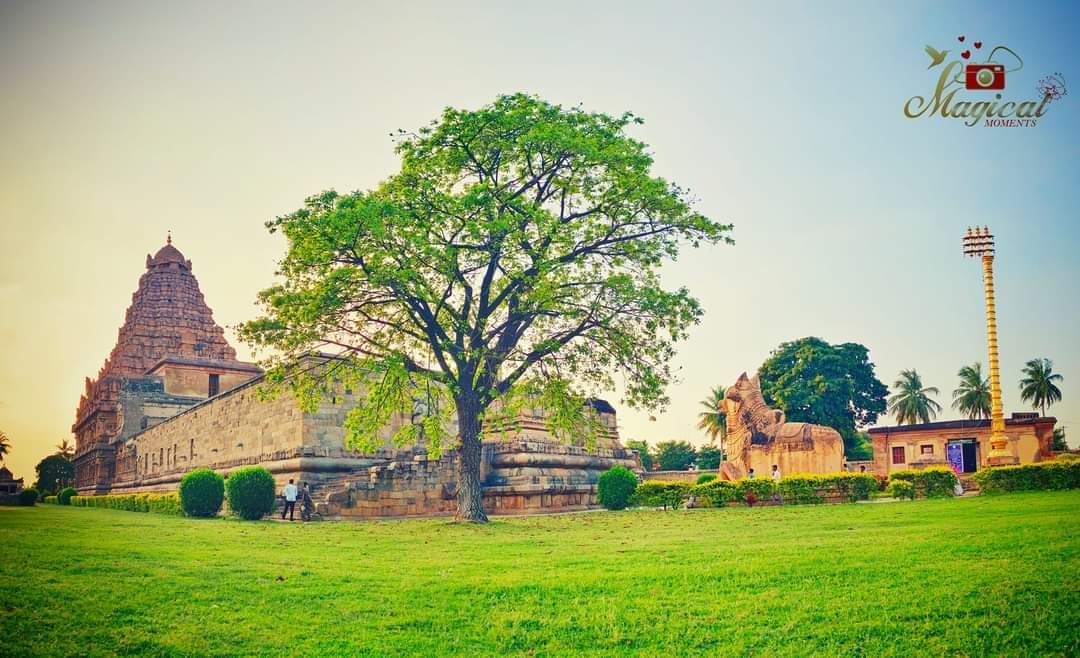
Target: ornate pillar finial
[[168, 237]]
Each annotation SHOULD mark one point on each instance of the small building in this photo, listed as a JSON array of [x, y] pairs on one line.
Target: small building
[[8, 484], [962, 445]]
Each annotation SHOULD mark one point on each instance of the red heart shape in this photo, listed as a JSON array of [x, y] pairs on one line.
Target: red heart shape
[[966, 54], [961, 39], [978, 44]]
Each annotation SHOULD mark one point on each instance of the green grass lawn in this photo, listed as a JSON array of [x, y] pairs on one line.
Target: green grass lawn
[[972, 576]]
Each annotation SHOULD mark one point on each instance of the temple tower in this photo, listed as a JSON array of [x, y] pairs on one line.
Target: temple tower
[[168, 319]]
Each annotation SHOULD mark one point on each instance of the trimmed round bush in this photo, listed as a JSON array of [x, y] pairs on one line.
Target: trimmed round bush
[[28, 497], [201, 492], [902, 489], [64, 497], [251, 492], [705, 477], [615, 487]]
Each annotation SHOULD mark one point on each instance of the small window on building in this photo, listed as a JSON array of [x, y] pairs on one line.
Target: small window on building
[[898, 455], [927, 449], [215, 385]]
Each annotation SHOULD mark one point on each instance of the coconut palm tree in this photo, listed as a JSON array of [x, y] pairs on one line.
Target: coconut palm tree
[[5, 445], [1037, 387], [714, 419], [972, 397], [65, 449], [911, 403]]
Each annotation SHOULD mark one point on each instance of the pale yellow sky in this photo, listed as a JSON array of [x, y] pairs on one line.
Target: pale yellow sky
[[122, 120]]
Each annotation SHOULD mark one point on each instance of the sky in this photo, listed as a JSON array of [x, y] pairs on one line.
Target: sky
[[120, 121]]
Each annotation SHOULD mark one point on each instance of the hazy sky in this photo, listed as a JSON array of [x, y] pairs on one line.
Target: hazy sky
[[119, 121]]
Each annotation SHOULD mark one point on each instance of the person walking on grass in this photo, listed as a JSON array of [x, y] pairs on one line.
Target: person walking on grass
[[776, 485], [290, 500], [307, 505]]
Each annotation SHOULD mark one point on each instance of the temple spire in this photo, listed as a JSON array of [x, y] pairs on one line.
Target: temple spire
[[168, 237]]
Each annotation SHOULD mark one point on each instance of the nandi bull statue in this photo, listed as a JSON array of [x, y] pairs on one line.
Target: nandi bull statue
[[758, 437]]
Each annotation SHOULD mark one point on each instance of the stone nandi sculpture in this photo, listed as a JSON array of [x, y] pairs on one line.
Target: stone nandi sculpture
[[758, 437]]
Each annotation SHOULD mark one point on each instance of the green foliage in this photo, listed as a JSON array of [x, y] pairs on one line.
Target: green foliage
[[858, 447], [705, 477], [674, 455], [1067, 457], [1055, 474], [643, 450], [166, 503], [518, 243], [54, 473], [28, 496], [251, 492], [934, 482], [662, 493], [812, 381], [50, 500], [1059, 444], [972, 397], [708, 457], [911, 403], [717, 493], [202, 492], [713, 420], [64, 497], [615, 487], [902, 489], [1039, 385]]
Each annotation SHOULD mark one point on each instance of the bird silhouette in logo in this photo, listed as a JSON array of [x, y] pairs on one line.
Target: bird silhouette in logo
[[936, 56]]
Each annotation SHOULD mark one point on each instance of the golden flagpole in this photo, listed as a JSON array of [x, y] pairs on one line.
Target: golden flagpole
[[980, 243]]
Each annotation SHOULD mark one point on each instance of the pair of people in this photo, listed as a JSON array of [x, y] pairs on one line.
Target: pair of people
[[291, 494], [775, 473]]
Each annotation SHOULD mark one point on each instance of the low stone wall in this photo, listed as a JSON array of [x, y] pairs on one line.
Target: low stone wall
[[678, 476]]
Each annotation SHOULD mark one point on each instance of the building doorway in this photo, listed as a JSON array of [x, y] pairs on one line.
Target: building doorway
[[963, 455]]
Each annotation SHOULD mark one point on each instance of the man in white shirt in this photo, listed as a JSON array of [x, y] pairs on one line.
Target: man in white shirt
[[290, 500], [775, 472]]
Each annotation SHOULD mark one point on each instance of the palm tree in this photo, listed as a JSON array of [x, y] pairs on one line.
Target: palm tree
[[911, 403], [972, 398], [5, 445], [1038, 385], [65, 449], [714, 419]]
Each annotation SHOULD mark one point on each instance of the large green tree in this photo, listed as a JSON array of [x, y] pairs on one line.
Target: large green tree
[[912, 402], [643, 450], [813, 381], [713, 419], [972, 396], [513, 260], [675, 455], [1039, 385], [54, 473]]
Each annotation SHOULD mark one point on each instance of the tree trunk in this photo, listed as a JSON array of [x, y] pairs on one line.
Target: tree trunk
[[470, 493]]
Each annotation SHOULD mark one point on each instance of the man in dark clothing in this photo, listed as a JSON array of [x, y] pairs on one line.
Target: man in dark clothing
[[307, 505]]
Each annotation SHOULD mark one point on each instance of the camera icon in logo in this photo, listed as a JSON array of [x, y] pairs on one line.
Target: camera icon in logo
[[985, 76]]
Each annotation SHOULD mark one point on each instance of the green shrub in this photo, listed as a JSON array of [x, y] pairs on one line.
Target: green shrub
[[930, 482], [902, 489], [201, 492], [1049, 475], [1068, 457], [717, 493], [801, 489], [615, 487], [165, 503], [661, 493], [251, 492], [756, 490], [64, 497], [28, 497], [705, 477], [49, 500]]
